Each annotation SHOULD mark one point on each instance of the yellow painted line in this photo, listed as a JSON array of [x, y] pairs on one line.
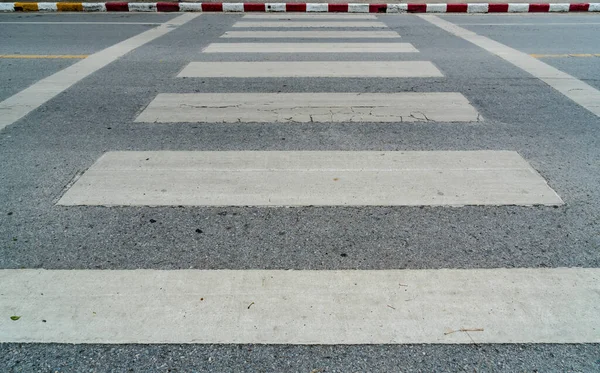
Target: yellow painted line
[[69, 7], [565, 55], [43, 56], [26, 7]]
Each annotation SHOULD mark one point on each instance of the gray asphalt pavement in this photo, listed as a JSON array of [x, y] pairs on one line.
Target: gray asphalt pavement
[[44, 151]]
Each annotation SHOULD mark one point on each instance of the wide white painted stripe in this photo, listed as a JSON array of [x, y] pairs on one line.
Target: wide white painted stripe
[[316, 7], [275, 7], [29, 99], [477, 8], [310, 178], [558, 305], [310, 48], [47, 7], [518, 8], [7, 7], [314, 24], [142, 7], [308, 16], [233, 7], [190, 7], [94, 7], [559, 7], [311, 34], [358, 8], [381, 69], [308, 107], [581, 93], [436, 8], [397, 8]]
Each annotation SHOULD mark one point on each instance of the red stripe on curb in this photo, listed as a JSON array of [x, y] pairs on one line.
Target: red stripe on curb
[[497, 8], [539, 8], [417, 8], [254, 7], [212, 7], [295, 7], [579, 7], [457, 8], [117, 6], [341, 8], [167, 7], [377, 8]]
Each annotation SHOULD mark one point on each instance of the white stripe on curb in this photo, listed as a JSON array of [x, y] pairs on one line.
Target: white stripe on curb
[[559, 7], [94, 7], [7, 7], [275, 7], [47, 7], [301, 307], [518, 8], [142, 7], [233, 7]]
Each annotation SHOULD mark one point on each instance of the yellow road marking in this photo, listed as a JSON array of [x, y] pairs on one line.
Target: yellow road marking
[[42, 56], [565, 55]]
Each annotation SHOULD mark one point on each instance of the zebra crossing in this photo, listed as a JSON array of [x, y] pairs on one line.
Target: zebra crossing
[[309, 307]]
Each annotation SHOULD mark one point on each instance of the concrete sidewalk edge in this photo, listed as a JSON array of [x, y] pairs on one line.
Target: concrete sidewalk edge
[[300, 7]]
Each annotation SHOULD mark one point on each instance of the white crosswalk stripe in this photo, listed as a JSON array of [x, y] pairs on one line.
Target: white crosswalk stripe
[[308, 107], [310, 48], [336, 69], [308, 16], [303, 307], [311, 179], [309, 24], [311, 34]]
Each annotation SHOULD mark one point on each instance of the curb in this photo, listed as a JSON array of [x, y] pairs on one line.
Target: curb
[[299, 7]]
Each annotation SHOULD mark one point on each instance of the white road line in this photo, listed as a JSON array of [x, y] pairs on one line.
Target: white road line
[[62, 23], [29, 99], [529, 24], [341, 69], [300, 24], [309, 107], [309, 16], [450, 306], [310, 48], [581, 93], [310, 178], [311, 34]]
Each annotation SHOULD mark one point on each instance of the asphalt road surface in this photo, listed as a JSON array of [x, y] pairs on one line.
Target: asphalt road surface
[[469, 164]]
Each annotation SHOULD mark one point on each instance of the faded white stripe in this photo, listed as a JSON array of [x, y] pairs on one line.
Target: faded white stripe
[[310, 48], [309, 178], [313, 24], [311, 34], [573, 88], [301, 307], [29, 99], [339, 69], [308, 16], [309, 107]]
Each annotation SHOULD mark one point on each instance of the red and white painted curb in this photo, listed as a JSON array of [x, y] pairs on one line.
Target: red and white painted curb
[[299, 7]]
